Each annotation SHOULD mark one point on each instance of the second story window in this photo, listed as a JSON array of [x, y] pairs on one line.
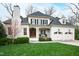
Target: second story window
[[31, 21], [36, 21], [39, 22], [45, 22]]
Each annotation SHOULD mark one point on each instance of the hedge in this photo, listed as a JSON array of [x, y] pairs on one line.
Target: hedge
[[45, 39], [2, 41], [21, 40], [77, 34], [7, 41]]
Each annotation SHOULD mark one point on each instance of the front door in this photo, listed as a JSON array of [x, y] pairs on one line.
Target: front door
[[32, 32]]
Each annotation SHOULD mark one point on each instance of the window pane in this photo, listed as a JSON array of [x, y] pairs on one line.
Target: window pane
[[35, 21], [25, 31], [41, 22], [55, 32], [31, 21]]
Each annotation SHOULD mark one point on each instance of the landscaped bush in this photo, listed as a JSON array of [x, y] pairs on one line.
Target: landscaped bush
[[9, 40], [44, 39], [5, 41], [21, 40], [2, 41], [77, 34]]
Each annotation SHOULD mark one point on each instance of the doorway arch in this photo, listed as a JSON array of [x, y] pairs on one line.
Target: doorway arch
[[32, 32]]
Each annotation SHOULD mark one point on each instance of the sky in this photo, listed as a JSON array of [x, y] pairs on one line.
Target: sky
[[61, 9]]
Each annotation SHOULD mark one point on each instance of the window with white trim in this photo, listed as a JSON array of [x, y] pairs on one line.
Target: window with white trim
[[58, 32], [69, 32]]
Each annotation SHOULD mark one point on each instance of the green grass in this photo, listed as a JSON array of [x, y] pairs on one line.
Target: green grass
[[40, 49]]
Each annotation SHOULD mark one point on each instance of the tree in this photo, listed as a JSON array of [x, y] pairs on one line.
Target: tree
[[30, 9], [8, 7], [72, 20], [2, 31], [49, 11], [75, 11], [13, 25]]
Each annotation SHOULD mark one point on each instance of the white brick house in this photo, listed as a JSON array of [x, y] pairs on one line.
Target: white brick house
[[38, 24]]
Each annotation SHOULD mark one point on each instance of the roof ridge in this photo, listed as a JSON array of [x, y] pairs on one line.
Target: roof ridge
[[38, 13]]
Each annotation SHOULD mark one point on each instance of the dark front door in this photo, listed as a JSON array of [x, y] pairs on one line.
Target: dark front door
[[32, 32]]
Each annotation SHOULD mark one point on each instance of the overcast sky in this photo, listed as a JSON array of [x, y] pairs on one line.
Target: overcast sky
[[61, 9]]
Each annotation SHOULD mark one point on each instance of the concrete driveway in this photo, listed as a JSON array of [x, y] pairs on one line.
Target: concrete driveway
[[74, 42]]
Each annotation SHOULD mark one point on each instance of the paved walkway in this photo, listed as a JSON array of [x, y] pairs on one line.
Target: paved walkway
[[74, 42]]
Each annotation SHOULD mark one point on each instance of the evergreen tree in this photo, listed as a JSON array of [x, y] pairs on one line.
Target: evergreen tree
[[2, 31]]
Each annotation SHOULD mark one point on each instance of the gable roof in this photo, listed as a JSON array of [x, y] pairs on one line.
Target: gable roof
[[38, 13], [55, 21]]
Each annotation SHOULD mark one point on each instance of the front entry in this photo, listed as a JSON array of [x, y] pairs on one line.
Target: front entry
[[32, 32]]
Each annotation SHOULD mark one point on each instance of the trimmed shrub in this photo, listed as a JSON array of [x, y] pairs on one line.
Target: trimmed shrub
[[5, 41], [77, 34], [44, 39], [2, 41], [21, 40], [9, 40]]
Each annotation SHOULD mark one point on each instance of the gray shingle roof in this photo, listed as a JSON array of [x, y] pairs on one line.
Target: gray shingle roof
[[55, 21], [24, 21], [7, 21], [38, 13]]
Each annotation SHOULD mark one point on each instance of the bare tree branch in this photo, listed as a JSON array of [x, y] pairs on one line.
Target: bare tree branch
[[49, 11], [30, 9], [8, 8], [73, 11], [76, 13], [75, 5]]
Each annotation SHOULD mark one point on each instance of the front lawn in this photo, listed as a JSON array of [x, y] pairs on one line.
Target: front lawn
[[40, 49]]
